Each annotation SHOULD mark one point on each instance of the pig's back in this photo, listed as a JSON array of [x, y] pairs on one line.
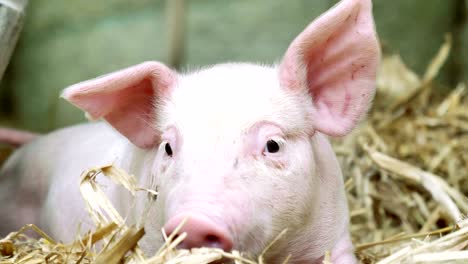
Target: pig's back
[[34, 176], [71, 148]]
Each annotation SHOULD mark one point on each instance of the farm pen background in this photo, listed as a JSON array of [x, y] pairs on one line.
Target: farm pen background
[[64, 42]]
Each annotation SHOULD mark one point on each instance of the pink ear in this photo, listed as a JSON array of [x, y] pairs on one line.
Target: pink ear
[[336, 59], [125, 99]]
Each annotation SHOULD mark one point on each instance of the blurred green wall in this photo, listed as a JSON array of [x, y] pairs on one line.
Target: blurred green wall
[[64, 42]]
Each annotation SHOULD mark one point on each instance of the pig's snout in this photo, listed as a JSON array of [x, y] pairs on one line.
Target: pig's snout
[[201, 232]]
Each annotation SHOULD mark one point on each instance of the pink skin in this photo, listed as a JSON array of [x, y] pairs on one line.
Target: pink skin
[[220, 171], [16, 138]]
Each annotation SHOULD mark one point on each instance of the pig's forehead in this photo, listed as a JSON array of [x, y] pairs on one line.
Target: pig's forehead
[[233, 97]]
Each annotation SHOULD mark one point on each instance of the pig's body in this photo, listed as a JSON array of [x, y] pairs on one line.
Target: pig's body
[[47, 168], [238, 149]]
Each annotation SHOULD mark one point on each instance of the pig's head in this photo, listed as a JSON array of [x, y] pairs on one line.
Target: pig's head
[[234, 151]]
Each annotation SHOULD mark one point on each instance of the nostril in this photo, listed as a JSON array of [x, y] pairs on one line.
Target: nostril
[[212, 238], [168, 232], [213, 241], [217, 241]]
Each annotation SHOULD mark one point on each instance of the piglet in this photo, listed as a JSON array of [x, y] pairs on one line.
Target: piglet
[[238, 149]]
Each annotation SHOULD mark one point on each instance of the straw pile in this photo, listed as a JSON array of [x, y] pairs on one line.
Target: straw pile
[[406, 174], [407, 170]]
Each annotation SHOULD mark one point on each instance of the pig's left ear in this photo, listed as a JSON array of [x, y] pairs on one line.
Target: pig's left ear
[[125, 99], [335, 58]]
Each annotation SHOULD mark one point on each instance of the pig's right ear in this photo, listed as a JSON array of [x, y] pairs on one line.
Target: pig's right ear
[[125, 99]]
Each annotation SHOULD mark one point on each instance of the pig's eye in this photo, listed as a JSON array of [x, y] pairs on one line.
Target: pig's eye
[[272, 146], [168, 149]]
